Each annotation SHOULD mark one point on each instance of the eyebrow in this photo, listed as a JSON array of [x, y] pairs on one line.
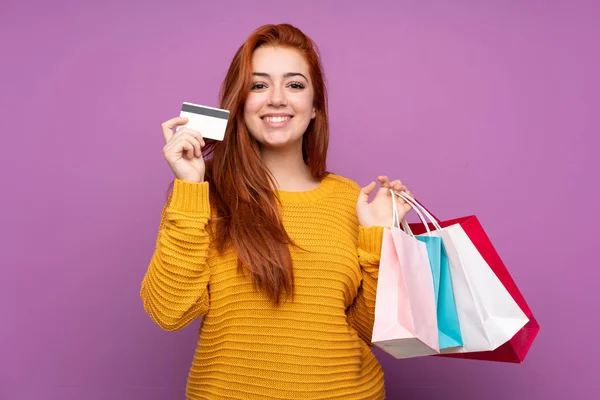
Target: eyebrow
[[286, 75]]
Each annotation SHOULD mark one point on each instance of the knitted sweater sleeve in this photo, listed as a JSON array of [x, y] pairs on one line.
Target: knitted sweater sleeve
[[174, 289], [361, 314]]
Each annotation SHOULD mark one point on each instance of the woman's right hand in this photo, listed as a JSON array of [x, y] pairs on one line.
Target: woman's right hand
[[183, 150]]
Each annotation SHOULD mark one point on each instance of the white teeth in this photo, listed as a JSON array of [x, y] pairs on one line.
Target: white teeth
[[277, 119]]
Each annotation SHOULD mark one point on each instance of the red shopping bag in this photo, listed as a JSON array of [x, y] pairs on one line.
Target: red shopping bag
[[518, 346]]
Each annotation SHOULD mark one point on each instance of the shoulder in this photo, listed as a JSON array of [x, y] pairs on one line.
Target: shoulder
[[343, 182], [342, 198], [344, 189]]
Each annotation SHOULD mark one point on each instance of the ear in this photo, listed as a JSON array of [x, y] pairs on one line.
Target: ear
[[314, 113]]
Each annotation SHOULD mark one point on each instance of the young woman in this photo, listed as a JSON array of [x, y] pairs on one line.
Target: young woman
[[278, 255]]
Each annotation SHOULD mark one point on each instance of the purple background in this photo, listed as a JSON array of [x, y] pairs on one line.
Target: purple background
[[480, 107]]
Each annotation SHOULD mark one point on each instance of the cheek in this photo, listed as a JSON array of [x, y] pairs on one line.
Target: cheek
[[252, 105], [306, 104]]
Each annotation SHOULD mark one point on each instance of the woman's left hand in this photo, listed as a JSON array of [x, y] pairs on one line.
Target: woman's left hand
[[379, 211]]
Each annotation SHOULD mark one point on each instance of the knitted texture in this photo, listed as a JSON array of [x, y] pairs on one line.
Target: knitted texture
[[314, 347]]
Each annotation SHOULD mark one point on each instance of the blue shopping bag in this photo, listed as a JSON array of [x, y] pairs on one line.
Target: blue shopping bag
[[448, 326]]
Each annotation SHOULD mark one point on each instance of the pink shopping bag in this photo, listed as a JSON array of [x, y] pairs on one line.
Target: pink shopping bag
[[405, 309]]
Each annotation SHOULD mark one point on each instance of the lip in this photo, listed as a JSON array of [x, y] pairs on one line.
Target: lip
[[276, 124]]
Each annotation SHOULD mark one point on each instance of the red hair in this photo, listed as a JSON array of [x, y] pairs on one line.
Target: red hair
[[241, 186]]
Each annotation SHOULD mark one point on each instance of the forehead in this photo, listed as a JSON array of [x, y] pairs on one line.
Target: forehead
[[278, 60]]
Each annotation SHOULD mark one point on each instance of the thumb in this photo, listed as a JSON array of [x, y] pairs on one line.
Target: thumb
[[365, 192]]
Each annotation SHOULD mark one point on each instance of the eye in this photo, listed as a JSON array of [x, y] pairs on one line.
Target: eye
[[296, 85], [258, 86]]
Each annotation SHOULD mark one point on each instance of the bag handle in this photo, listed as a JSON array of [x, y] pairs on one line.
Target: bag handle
[[424, 210], [419, 208], [396, 214]]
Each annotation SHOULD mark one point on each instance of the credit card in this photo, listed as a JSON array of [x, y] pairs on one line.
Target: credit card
[[209, 121]]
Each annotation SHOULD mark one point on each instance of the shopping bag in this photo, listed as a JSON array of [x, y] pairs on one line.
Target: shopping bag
[[496, 323], [405, 310], [447, 318]]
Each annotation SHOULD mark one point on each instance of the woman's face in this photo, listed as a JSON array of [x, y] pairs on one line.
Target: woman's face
[[280, 104]]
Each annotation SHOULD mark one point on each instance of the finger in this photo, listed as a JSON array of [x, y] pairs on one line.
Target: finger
[[188, 150], [397, 186], [193, 133], [385, 185], [167, 127], [187, 145], [366, 191], [401, 201], [194, 142], [383, 179], [407, 193], [191, 150], [184, 135]]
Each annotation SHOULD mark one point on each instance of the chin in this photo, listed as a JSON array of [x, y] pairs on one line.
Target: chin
[[276, 143], [278, 139]]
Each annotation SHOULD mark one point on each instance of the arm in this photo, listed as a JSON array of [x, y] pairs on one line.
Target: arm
[[361, 314], [175, 287]]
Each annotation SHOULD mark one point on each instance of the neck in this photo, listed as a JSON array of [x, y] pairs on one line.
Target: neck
[[288, 167]]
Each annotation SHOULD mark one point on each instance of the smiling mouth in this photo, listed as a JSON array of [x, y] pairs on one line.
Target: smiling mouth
[[276, 120]]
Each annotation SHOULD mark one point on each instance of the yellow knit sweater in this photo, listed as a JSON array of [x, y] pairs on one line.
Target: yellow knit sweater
[[316, 347]]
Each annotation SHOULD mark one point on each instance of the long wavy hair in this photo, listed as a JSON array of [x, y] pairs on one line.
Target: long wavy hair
[[245, 208]]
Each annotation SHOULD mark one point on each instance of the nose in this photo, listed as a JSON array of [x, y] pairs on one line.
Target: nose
[[277, 96]]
